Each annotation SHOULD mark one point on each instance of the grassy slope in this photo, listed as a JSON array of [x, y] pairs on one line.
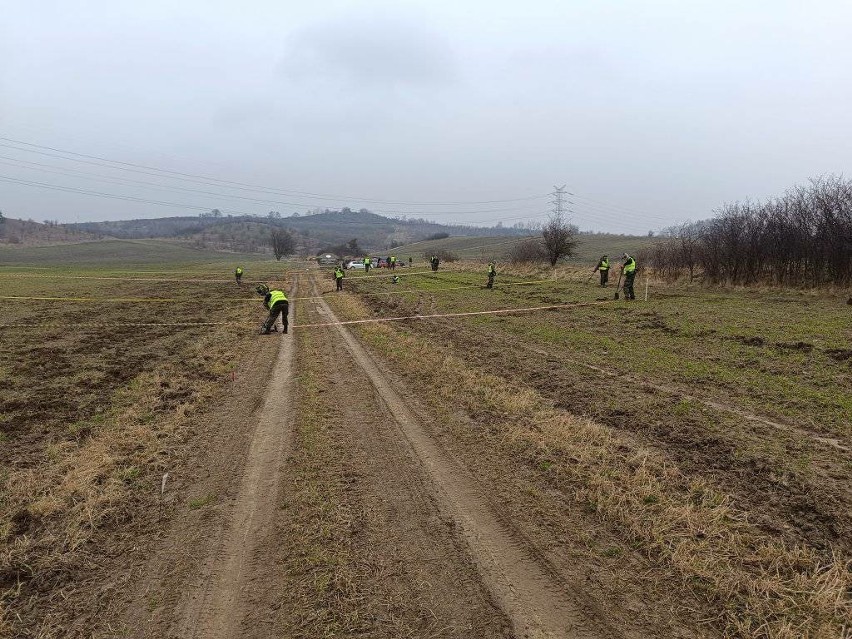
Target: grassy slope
[[21, 233], [117, 254], [590, 248]]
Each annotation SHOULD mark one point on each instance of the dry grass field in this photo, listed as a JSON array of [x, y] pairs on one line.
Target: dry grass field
[[103, 392], [676, 467], [709, 431]]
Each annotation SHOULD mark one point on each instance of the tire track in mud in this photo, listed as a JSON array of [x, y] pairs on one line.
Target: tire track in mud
[[213, 606], [355, 501], [536, 603]]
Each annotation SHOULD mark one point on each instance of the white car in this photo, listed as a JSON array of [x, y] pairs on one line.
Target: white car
[[355, 264]]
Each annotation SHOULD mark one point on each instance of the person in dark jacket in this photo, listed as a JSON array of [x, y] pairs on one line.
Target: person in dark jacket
[[603, 267]]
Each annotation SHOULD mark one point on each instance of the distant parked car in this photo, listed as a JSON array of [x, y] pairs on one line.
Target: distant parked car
[[355, 264], [327, 259]]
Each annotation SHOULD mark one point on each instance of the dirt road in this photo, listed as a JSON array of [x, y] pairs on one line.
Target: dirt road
[[537, 604], [349, 518], [214, 605]]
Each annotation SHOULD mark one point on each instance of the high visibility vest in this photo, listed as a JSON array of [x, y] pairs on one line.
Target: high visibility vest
[[604, 265], [492, 270], [239, 271], [338, 273], [367, 261], [393, 259], [629, 265], [275, 297]]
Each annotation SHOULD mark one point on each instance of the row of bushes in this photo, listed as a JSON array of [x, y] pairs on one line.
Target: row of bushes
[[803, 238]]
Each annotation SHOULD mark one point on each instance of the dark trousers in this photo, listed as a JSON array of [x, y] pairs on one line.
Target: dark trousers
[[239, 278], [434, 266], [339, 282], [604, 277], [393, 266], [490, 281], [366, 268], [279, 308], [628, 286]]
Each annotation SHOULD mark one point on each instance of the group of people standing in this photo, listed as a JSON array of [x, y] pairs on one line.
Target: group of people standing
[[628, 271], [390, 262]]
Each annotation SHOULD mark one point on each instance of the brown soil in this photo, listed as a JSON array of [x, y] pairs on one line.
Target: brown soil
[[192, 586], [421, 545], [537, 603], [802, 509], [398, 566], [409, 510]]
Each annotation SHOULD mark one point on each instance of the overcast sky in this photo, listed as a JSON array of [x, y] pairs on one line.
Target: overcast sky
[[651, 112]]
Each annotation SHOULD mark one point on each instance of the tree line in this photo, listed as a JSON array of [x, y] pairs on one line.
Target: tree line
[[803, 238]]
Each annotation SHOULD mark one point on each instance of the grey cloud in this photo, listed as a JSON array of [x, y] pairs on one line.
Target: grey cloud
[[385, 52]]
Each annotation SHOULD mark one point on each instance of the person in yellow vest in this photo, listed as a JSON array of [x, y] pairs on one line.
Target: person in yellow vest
[[239, 274], [492, 273], [393, 262], [276, 302], [338, 277], [603, 267], [629, 270], [367, 264]]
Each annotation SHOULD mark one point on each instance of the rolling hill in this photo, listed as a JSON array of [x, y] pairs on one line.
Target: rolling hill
[[591, 246], [314, 232]]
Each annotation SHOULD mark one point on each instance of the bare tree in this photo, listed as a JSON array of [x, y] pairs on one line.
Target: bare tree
[[528, 251], [282, 242], [803, 238], [559, 238]]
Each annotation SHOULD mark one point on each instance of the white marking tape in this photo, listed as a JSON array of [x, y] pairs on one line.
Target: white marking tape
[[527, 309], [108, 300], [124, 279]]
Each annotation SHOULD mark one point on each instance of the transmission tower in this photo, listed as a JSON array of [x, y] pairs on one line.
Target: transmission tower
[[558, 201]]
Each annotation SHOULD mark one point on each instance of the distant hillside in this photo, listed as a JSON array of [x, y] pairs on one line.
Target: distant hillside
[[28, 233], [128, 253], [591, 246], [314, 232]]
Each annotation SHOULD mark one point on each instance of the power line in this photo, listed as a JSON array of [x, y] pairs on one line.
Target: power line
[[130, 198], [230, 183], [599, 209], [120, 181]]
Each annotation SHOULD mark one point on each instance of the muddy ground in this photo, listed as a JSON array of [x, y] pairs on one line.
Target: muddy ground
[[330, 483]]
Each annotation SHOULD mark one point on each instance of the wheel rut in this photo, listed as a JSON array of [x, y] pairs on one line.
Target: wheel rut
[[213, 607], [537, 603]]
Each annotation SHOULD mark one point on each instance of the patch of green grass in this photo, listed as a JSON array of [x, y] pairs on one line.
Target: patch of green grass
[[129, 473], [201, 502]]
